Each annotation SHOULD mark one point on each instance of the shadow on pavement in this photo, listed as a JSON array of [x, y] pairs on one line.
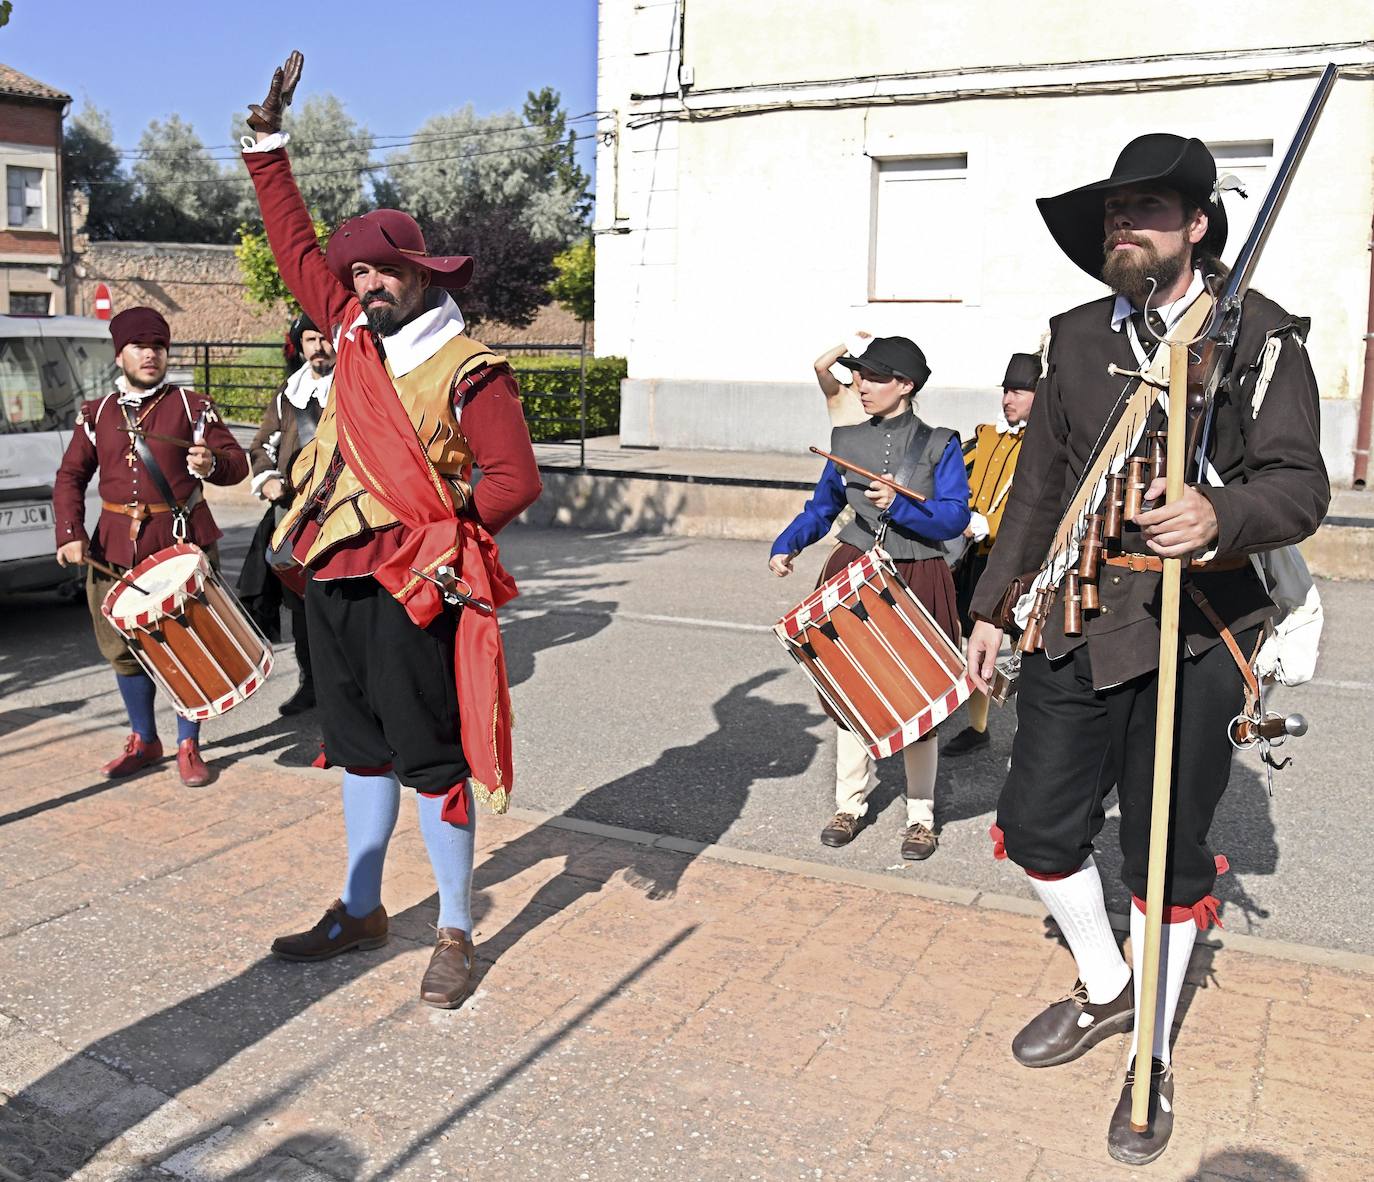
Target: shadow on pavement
[[755, 740], [1247, 1165]]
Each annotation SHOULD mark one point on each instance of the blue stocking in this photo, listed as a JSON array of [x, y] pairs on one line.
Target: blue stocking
[[186, 729], [370, 807], [137, 690], [450, 855]]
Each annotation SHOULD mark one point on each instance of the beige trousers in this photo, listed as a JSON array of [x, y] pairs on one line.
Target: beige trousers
[[856, 775]]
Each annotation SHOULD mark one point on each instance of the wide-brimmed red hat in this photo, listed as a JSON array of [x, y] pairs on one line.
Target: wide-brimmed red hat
[[145, 326], [390, 236]]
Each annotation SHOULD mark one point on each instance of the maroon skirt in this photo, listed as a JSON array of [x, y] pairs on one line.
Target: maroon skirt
[[929, 580]]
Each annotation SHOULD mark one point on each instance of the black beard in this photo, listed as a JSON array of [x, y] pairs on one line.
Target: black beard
[[1129, 273], [321, 366], [382, 318]]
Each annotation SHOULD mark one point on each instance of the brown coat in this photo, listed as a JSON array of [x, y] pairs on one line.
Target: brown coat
[[1275, 488]]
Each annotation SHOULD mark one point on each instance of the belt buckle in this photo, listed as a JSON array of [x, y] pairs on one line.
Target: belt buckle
[[136, 509], [1138, 563]]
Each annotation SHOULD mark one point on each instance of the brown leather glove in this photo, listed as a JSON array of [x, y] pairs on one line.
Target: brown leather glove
[[266, 116]]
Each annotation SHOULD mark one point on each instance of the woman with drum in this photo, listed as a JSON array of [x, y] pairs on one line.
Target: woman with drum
[[929, 461]]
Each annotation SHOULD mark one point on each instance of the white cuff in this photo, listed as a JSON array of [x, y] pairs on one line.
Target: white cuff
[[278, 139], [262, 478], [213, 463]]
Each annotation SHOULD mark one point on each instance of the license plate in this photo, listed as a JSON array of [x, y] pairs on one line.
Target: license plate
[[16, 519]]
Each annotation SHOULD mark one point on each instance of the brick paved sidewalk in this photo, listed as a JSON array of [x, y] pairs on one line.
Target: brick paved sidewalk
[[644, 1013]]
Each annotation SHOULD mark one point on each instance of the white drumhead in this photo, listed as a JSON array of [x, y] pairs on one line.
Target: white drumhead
[[161, 581]]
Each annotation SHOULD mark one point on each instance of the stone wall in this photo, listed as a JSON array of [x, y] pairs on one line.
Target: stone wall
[[198, 288]]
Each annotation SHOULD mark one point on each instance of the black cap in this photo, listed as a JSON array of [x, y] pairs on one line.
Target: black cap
[[895, 357], [1023, 371]]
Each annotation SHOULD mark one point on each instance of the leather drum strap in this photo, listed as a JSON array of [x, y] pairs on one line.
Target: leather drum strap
[[164, 487]]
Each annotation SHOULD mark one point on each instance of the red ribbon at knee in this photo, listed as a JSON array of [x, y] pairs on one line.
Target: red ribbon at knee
[[1204, 912], [999, 847]]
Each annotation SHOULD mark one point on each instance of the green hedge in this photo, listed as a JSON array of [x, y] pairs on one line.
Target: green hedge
[[542, 377]]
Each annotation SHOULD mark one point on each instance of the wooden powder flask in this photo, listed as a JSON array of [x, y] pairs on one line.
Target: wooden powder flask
[[1073, 605], [1030, 639], [1113, 505], [1158, 454], [1090, 549], [1137, 472], [1088, 591]]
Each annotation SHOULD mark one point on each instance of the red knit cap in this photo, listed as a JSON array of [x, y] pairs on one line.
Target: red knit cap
[[142, 325]]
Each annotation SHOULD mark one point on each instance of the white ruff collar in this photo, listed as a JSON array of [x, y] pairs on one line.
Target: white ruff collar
[[133, 395], [303, 386], [416, 341], [1006, 428]]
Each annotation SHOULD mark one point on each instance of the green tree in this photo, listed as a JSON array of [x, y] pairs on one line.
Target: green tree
[[259, 266], [91, 164], [543, 110], [182, 193], [575, 285]]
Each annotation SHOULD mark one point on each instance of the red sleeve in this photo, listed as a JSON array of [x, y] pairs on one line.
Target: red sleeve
[[79, 464], [291, 234], [494, 423]]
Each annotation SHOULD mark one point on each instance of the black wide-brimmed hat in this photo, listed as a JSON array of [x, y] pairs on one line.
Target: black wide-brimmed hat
[[1023, 371], [1075, 218], [894, 357]]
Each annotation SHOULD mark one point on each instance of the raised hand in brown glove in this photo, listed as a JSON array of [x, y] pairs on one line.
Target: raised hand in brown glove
[[265, 117]]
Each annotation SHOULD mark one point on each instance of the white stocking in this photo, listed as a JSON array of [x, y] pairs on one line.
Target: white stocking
[[1080, 911]]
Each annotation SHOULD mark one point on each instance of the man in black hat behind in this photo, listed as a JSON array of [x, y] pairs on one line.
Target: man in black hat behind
[[1152, 232], [288, 424]]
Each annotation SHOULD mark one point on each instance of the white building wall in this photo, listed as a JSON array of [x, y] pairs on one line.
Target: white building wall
[[736, 198]]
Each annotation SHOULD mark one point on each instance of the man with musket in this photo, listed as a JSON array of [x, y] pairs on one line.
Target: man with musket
[[393, 534], [1151, 232], [151, 497], [288, 424]]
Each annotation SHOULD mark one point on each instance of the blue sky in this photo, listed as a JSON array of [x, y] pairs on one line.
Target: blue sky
[[392, 64]]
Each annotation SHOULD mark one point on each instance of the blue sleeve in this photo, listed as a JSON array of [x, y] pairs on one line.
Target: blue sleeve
[[945, 514], [817, 515]]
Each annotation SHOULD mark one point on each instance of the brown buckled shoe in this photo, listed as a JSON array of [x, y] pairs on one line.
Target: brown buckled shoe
[[323, 940], [1072, 1026], [843, 828], [1139, 1149], [136, 756], [918, 843], [445, 983]]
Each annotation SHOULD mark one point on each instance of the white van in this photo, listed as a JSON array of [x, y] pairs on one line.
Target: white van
[[49, 365]]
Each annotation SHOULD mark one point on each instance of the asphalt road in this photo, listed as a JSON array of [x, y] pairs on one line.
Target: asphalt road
[[650, 693]]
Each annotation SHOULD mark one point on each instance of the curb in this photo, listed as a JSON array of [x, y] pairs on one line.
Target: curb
[[1330, 958], [1309, 954]]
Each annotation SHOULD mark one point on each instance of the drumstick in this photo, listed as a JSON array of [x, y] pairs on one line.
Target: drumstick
[[887, 480], [112, 573], [218, 452]]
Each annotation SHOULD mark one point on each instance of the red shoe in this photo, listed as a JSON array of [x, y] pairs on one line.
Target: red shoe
[[194, 773], [137, 755]]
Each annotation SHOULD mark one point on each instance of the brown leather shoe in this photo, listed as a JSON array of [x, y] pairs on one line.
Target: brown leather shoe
[[1072, 1026], [1138, 1149], [841, 830], [137, 755], [323, 940], [918, 843], [445, 983], [194, 773]]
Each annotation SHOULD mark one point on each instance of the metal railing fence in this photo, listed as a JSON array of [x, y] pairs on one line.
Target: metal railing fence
[[243, 376]]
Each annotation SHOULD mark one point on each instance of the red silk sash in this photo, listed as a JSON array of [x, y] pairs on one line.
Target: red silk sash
[[378, 442]]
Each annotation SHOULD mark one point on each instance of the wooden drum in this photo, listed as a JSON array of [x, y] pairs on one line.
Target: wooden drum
[[189, 632], [876, 655]]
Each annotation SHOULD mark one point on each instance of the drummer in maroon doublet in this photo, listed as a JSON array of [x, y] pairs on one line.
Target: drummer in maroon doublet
[[382, 499], [929, 461], [117, 436]]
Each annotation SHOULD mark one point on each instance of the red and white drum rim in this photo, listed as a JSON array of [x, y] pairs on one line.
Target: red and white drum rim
[[169, 604]]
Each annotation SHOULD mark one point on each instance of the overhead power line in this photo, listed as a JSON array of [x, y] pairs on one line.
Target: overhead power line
[[399, 141], [235, 178]]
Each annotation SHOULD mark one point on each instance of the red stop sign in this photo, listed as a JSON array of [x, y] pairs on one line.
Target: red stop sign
[[104, 306]]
